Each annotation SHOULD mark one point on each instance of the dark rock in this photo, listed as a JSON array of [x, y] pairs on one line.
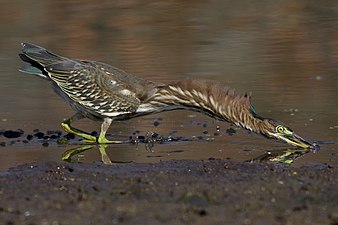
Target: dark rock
[[156, 123], [12, 134], [70, 136], [39, 135], [54, 136], [29, 137]]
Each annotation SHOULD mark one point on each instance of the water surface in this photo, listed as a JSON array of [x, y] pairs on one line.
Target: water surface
[[285, 54]]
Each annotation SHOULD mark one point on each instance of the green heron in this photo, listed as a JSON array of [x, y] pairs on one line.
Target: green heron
[[102, 92]]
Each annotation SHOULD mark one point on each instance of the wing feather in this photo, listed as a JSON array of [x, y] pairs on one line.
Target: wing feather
[[93, 87]]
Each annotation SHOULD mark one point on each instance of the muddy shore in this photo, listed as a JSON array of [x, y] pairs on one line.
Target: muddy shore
[[170, 192]]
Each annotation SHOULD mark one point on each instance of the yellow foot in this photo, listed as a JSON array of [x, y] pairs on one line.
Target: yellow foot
[[104, 140], [101, 141], [89, 138]]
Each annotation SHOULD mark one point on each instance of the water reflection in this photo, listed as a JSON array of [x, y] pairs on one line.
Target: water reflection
[[286, 156]]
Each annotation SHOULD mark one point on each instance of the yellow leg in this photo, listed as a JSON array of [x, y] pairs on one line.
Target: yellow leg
[[69, 129], [102, 137]]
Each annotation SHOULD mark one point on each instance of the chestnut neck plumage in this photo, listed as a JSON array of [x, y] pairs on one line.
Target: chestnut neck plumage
[[208, 98]]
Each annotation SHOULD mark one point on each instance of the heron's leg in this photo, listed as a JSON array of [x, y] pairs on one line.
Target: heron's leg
[[104, 127], [68, 128]]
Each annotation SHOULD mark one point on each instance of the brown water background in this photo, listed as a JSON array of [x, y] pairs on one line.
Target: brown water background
[[283, 52]]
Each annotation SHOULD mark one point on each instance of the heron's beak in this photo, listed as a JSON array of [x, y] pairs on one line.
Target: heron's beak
[[295, 140]]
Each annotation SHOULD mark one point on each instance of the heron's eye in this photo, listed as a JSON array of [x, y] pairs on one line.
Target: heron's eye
[[280, 129]]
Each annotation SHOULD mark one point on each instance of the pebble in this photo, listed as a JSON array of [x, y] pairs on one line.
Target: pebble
[[29, 137], [12, 134], [156, 123], [39, 135], [54, 136], [69, 136]]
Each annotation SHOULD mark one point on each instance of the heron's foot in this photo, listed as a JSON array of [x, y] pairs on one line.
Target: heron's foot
[[101, 140], [104, 140], [69, 129]]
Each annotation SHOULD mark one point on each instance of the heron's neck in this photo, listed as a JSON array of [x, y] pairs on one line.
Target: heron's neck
[[211, 99]]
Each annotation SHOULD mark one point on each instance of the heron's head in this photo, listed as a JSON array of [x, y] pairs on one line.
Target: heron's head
[[279, 131]]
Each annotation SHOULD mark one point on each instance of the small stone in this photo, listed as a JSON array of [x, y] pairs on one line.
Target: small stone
[[70, 136], [205, 132], [39, 135], [12, 134], [3, 144], [156, 123], [29, 137], [54, 136], [36, 130]]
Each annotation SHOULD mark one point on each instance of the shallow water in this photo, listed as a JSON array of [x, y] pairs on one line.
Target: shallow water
[[285, 54]]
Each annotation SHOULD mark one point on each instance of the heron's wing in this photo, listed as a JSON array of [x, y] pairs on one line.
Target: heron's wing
[[93, 87]]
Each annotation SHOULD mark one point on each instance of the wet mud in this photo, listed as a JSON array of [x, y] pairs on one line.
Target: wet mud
[[170, 192]]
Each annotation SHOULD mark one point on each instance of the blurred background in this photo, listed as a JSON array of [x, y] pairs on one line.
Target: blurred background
[[285, 53]]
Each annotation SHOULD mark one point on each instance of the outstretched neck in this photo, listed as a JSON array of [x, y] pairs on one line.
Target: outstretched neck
[[211, 99]]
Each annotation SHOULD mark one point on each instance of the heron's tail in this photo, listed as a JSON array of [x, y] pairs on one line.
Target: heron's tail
[[38, 58]]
